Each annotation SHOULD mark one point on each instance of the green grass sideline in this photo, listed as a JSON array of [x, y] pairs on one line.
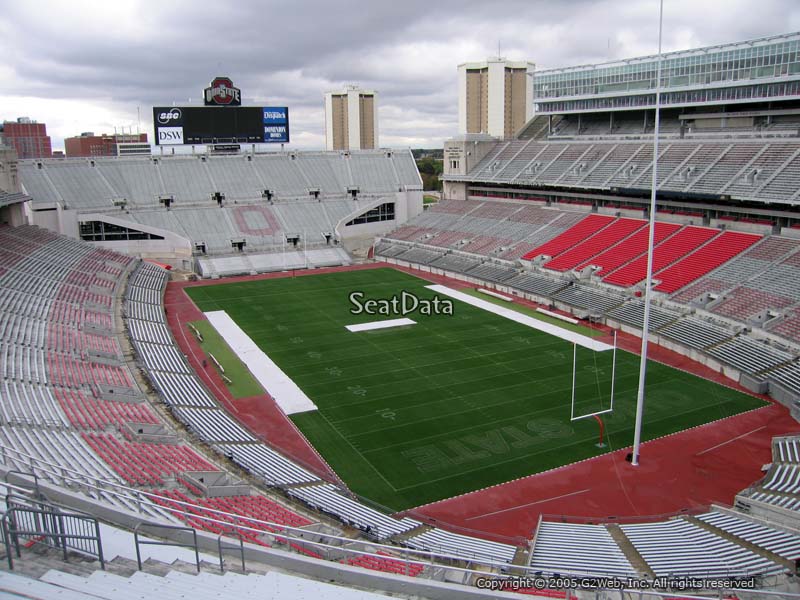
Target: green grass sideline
[[244, 384]]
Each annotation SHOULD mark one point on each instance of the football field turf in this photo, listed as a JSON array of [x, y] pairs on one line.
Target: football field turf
[[455, 403]]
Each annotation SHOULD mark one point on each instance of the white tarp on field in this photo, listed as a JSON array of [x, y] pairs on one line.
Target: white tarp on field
[[289, 397], [380, 325], [570, 336]]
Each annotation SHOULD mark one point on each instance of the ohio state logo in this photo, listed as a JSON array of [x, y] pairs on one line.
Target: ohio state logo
[[222, 92]]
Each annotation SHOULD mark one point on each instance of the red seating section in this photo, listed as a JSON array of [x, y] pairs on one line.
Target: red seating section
[[744, 302], [146, 464], [789, 326], [387, 565], [485, 245], [574, 235], [445, 239], [71, 372], [706, 259], [667, 252], [67, 339], [607, 237], [630, 248], [88, 413], [255, 507], [619, 247]]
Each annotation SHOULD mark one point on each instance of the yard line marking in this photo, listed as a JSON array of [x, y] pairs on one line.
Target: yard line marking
[[358, 452], [731, 440], [497, 512]]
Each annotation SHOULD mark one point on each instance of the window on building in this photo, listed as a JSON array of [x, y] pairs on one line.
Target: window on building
[[384, 212], [98, 231]]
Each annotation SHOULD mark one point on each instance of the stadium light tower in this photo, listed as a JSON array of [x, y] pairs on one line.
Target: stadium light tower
[[637, 432]]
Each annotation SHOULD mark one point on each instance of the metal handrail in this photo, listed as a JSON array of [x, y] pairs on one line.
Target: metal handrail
[[137, 542], [51, 526], [221, 547]]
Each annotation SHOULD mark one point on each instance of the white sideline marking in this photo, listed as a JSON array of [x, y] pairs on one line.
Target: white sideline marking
[[289, 397], [570, 336], [380, 325]]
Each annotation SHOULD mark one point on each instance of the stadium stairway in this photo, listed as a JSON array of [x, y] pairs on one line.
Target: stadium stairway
[[42, 576], [629, 550]]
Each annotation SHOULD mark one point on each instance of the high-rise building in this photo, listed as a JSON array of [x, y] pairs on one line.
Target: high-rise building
[[89, 144], [494, 97], [28, 138], [351, 119]]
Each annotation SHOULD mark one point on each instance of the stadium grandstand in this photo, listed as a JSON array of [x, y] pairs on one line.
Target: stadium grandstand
[[228, 215], [112, 422]]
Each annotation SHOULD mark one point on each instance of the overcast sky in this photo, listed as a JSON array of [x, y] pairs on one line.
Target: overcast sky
[[84, 65]]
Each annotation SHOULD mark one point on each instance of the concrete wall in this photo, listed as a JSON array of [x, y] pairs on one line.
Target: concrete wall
[[468, 153], [357, 239], [770, 512], [454, 190], [9, 179], [13, 215]]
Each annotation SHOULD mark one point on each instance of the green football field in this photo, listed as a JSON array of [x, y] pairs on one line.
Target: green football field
[[414, 414]]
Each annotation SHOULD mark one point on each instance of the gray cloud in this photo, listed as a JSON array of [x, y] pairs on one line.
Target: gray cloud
[[70, 62]]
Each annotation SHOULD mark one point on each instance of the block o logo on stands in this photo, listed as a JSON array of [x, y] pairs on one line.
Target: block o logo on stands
[[171, 116], [170, 135], [222, 92]]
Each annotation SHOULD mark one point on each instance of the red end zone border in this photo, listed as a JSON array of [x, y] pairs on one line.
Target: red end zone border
[[681, 472]]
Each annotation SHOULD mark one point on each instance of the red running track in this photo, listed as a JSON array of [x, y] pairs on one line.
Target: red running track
[[684, 471]]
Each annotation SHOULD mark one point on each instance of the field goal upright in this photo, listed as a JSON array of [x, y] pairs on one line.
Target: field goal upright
[[575, 414]]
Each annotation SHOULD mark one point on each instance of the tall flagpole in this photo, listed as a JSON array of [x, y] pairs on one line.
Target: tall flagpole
[[637, 435]]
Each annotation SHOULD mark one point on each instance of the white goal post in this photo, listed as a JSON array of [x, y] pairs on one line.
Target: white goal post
[[573, 416]]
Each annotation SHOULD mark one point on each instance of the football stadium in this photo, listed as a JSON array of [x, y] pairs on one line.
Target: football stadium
[[282, 374]]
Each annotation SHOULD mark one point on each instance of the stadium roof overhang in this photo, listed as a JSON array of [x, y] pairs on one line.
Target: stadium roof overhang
[[7, 199]]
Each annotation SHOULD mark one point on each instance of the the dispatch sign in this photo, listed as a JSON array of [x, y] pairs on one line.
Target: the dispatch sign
[[276, 124]]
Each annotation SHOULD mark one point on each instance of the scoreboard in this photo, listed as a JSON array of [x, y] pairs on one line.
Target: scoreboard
[[176, 125]]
